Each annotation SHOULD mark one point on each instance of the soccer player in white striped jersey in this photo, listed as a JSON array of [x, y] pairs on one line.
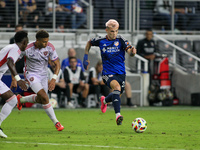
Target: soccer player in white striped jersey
[[8, 56], [36, 73]]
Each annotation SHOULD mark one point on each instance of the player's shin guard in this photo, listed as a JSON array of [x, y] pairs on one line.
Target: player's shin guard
[[116, 101], [109, 98], [7, 108]]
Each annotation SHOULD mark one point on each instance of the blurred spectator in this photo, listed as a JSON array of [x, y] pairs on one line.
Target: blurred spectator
[[28, 12], [147, 48], [74, 77], [4, 14], [189, 18], [60, 86], [96, 83], [71, 53], [18, 27], [78, 17], [20, 63], [163, 13], [61, 15]]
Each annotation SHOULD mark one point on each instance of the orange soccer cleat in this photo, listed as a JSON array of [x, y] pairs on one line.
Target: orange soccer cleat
[[19, 104], [59, 127]]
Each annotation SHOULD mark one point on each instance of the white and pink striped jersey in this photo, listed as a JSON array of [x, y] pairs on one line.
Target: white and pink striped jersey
[[9, 51], [36, 60]]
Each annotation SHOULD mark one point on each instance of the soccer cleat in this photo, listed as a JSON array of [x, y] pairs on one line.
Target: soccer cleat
[[119, 120], [2, 135], [59, 127], [19, 104], [103, 106]]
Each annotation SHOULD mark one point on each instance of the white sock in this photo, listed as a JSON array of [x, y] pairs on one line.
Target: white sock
[[29, 98], [50, 112], [7, 108], [117, 114]]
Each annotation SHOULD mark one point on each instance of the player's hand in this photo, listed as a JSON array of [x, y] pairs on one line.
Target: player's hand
[[52, 84], [133, 51], [23, 85], [13, 85], [86, 62]]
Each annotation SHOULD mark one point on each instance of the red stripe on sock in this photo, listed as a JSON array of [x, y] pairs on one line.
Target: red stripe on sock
[[46, 106], [11, 98]]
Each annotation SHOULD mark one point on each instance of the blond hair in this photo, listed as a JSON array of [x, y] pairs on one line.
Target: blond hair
[[112, 23]]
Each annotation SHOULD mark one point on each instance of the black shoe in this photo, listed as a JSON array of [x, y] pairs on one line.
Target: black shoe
[[83, 105], [129, 104]]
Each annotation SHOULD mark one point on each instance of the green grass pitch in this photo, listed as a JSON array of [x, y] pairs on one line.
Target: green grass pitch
[[168, 128]]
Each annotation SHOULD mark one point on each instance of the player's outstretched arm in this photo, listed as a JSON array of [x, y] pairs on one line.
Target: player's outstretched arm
[[20, 82], [86, 62], [132, 51], [51, 84]]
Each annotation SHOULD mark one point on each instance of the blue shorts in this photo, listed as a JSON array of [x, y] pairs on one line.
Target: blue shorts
[[120, 78]]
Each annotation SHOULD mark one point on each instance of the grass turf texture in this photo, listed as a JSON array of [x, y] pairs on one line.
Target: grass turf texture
[[167, 128]]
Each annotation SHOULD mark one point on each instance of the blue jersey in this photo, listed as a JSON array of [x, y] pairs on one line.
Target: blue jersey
[[112, 54], [65, 63]]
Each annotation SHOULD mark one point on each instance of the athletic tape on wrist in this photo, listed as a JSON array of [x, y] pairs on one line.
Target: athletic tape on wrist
[[17, 77], [55, 76]]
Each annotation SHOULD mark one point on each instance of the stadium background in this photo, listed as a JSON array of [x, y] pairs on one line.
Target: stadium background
[[134, 16]]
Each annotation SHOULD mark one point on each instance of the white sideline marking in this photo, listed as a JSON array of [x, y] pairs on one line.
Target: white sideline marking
[[99, 146]]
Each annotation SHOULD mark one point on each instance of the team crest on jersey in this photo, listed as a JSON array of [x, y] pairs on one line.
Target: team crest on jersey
[[45, 53], [31, 79], [116, 43]]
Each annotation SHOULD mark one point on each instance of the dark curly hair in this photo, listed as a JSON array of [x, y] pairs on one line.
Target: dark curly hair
[[20, 35], [42, 34]]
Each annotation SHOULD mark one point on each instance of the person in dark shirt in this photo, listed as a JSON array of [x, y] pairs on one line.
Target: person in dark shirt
[[75, 79], [147, 48], [20, 63]]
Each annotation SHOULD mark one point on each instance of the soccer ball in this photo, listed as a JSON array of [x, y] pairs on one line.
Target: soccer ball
[[139, 125], [53, 103]]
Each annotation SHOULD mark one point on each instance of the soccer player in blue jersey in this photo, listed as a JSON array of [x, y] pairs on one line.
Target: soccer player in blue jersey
[[113, 48]]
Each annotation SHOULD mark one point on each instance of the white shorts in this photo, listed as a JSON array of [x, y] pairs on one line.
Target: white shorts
[[37, 82], [3, 88]]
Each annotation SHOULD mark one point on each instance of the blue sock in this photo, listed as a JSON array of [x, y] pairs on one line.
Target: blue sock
[[116, 101], [109, 98]]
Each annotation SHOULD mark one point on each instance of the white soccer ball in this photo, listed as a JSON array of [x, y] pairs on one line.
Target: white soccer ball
[[139, 125], [53, 103]]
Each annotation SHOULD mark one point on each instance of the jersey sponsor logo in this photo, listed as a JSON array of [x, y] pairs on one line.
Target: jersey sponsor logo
[[45, 53], [104, 45], [116, 100], [113, 49], [116, 43], [31, 79]]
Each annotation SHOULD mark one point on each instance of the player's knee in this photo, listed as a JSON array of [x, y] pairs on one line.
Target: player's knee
[[118, 88], [44, 99]]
